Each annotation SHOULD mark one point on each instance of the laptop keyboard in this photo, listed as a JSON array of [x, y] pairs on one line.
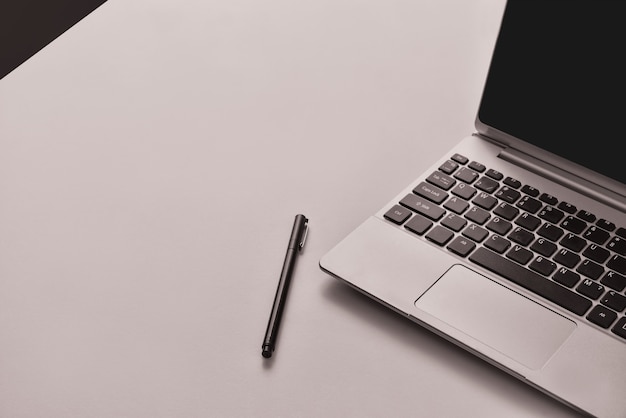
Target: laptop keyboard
[[548, 246]]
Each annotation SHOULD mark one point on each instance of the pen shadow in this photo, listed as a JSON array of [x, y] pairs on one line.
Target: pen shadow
[[447, 355]]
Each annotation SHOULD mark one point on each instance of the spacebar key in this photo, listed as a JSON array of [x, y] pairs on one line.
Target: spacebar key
[[530, 280]]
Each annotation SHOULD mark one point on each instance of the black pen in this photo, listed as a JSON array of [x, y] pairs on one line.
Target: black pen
[[296, 242]]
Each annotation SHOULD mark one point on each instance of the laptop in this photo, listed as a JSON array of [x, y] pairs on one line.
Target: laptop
[[513, 244]]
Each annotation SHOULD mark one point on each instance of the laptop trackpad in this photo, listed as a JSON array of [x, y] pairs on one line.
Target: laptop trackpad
[[496, 316]]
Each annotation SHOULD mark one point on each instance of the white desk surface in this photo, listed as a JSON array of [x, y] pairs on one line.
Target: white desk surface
[[152, 160]]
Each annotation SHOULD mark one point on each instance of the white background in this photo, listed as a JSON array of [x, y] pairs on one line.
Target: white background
[[152, 160]]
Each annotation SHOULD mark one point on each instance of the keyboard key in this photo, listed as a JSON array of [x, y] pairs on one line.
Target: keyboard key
[[397, 214], [454, 222], [531, 281], [461, 159], [604, 224], [549, 199], [530, 190], [617, 263], [573, 242], [566, 277], [499, 226], [590, 269], [590, 289], [521, 236], [614, 301], [475, 233], [621, 232], [461, 246], [542, 266], [456, 205], [520, 254], [496, 175], [544, 247], [586, 216], [497, 244], [464, 191], [528, 221], [602, 316], [467, 175], [418, 224], [448, 167], [529, 204], [430, 192], [487, 184], [596, 253], [551, 214], [567, 207], [551, 232], [597, 235], [477, 215], [508, 194], [620, 328], [617, 245], [485, 201], [476, 166], [506, 211], [423, 206], [440, 235], [511, 182], [614, 280], [566, 258], [441, 180], [574, 225]]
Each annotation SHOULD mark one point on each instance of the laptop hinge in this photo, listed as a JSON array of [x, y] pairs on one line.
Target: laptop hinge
[[564, 178]]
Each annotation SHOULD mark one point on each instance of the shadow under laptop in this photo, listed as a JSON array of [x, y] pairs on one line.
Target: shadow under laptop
[[452, 359]]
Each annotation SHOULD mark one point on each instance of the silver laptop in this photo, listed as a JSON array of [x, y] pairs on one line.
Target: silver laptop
[[513, 244]]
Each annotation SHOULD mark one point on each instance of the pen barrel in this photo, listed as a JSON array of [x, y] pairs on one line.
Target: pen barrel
[[280, 299]]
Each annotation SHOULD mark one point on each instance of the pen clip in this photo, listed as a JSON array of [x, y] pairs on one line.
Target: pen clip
[[304, 235]]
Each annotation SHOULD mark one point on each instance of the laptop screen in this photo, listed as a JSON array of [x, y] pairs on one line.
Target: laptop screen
[[557, 80]]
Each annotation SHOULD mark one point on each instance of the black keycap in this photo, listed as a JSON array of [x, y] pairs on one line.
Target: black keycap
[[530, 190], [514, 183], [423, 206], [620, 328], [590, 269], [497, 244], [454, 222], [528, 221], [566, 277], [496, 175], [485, 201], [461, 159], [621, 232], [549, 199], [614, 301], [418, 224], [586, 216], [487, 184], [456, 205], [617, 245], [521, 236], [567, 207], [397, 214], [508, 194], [529, 204], [566, 258], [441, 180], [499, 226], [461, 246], [551, 214], [519, 254], [596, 253], [597, 235], [448, 167], [573, 242], [604, 224], [602, 316], [464, 191], [477, 215], [542, 266], [553, 233], [590, 289], [531, 281], [506, 211], [439, 235], [475, 232], [614, 280], [476, 166], [617, 263], [544, 247], [467, 175], [430, 192], [573, 224]]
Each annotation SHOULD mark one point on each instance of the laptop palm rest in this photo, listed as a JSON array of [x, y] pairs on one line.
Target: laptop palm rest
[[496, 316]]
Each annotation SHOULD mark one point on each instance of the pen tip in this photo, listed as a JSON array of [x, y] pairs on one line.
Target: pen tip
[[267, 352]]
